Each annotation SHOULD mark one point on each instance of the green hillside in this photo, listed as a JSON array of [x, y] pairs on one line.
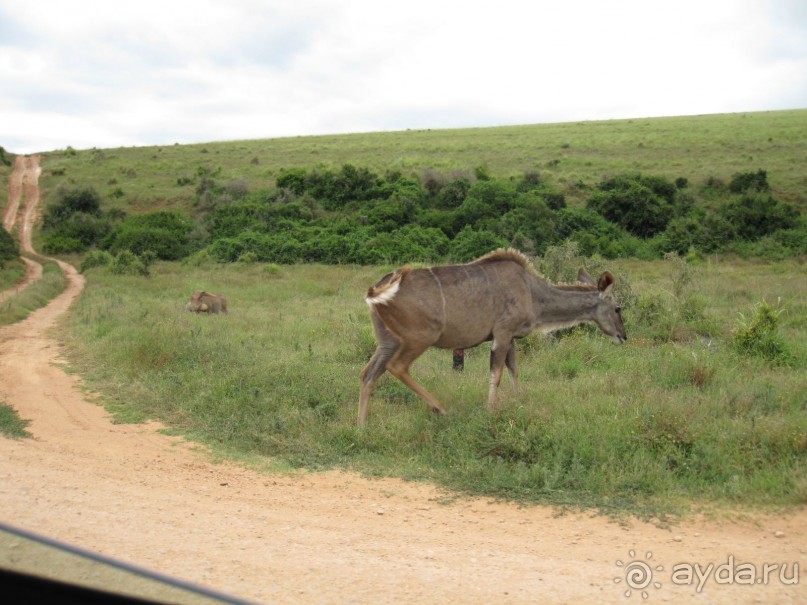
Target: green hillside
[[572, 155], [727, 184]]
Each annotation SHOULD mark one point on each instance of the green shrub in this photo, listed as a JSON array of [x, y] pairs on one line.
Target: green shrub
[[530, 220], [453, 193], [573, 221], [470, 244], [757, 334], [755, 215], [165, 233], [84, 200], [292, 179], [335, 189], [641, 205], [482, 173], [272, 270], [410, 243], [749, 181], [95, 258], [75, 222], [128, 263], [231, 219], [388, 215], [8, 247], [55, 243], [486, 199], [248, 257]]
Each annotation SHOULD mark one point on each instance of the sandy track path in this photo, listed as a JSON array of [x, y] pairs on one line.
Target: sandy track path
[[132, 493], [23, 184]]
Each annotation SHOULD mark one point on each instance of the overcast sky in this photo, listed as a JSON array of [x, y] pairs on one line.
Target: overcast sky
[[106, 74]]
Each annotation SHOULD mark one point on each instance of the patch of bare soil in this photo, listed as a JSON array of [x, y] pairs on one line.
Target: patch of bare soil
[[137, 495]]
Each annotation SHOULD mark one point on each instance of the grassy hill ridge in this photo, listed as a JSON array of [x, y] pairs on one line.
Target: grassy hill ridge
[[575, 156]]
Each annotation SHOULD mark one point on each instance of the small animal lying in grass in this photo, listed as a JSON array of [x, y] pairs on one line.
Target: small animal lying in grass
[[205, 302]]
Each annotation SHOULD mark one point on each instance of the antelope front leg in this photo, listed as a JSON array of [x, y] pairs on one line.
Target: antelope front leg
[[498, 355]]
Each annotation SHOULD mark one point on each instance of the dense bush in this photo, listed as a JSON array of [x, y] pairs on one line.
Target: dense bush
[[82, 200], [642, 205], [335, 189], [75, 222], [485, 199], [164, 233], [353, 215], [749, 181], [707, 232], [453, 193], [470, 244], [755, 215]]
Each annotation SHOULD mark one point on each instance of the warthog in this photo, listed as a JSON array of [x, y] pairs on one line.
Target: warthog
[[205, 302], [494, 298]]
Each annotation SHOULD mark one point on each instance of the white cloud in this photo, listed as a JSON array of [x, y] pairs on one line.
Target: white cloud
[[86, 73]]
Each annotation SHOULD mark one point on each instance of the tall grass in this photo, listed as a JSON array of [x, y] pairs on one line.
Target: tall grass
[[676, 414], [35, 296], [11, 273]]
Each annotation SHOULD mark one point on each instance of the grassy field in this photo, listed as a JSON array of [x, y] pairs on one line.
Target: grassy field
[[33, 297], [575, 156], [706, 404], [678, 415], [11, 273]]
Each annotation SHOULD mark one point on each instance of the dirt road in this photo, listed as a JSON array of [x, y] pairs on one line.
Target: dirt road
[[23, 184], [132, 493]]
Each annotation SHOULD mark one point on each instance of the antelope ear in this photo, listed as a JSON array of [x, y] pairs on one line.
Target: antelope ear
[[606, 281], [584, 278]]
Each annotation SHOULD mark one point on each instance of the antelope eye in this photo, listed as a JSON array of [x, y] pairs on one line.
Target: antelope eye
[[618, 309]]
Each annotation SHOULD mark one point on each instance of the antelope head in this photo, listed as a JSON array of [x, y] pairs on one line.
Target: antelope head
[[608, 312]]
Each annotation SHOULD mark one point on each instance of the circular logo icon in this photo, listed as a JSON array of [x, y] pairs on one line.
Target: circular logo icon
[[638, 574]]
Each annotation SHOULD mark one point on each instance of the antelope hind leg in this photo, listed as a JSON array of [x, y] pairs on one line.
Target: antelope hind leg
[[371, 373], [399, 367]]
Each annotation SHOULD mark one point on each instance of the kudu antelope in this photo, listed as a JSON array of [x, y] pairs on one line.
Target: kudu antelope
[[494, 298]]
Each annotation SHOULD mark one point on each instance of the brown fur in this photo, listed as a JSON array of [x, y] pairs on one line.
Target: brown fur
[[495, 298], [205, 302], [503, 254]]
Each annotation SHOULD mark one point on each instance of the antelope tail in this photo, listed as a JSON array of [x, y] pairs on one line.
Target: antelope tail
[[386, 289]]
